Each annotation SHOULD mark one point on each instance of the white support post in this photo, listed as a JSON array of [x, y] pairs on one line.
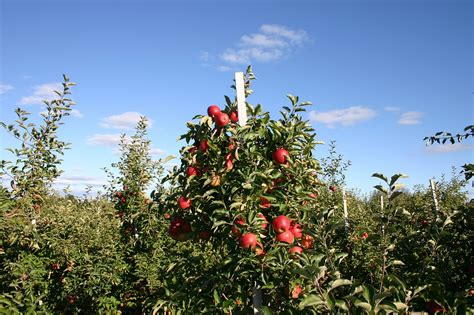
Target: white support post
[[344, 203], [383, 216], [242, 113], [435, 198], [240, 89]]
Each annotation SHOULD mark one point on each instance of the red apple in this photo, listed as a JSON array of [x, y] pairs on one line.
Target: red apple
[[434, 307], [167, 216], [295, 250], [296, 291], [280, 155], [184, 203], [264, 203], [332, 188], [203, 145], [234, 117], [365, 235], [286, 237], [281, 224], [204, 235], [307, 241], [229, 165], [192, 171], [192, 149], [296, 229], [313, 195], [265, 222], [248, 240], [235, 228], [221, 120], [213, 110]]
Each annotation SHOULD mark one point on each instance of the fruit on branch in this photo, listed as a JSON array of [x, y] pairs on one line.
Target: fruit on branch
[[213, 110], [313, 195], [332, 188], [184, 203], [248, 241], [203, 145], [281, 224], [234, 117], [295, 250], [229, 165], [221, 120], [286, 237], [192, 171], [280, 156], [296, 230], [365, 235], [179, 228], [296, 291], [215, 180], [236, 228], [264, 203], [204, 235], [307, 241]]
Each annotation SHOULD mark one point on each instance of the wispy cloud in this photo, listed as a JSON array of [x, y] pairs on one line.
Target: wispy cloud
[[410, 118], [392, 109], [82, 180], [40, 93], [448, 148], [272, 42], [345, 116], [108, 140], [4, 88], [157, 151], [74, 113], [126, 120]]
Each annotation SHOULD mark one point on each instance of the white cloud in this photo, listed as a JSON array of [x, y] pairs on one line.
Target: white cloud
[[108, 140], [157, 151], [223, 68], [82, 180], [448, 147], [4, 88], [126, 120], [40, 93], [204, 56], [76, 113], [345, 117], [410, 118], [271, 43], [392, 109]]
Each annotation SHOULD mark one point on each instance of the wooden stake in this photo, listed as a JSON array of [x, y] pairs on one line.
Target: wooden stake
[[435, 198], [344, 203]]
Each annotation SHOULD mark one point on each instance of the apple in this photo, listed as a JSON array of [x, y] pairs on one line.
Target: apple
[[229, 165], [123, 200], [296, 291], [192, 171], [264, 203], [118, 194], [234, 117], [221, 120], [184, 203], [248, 240], [71, 299], [280, 155], [204, 235], [295, 250], [365, 235], [332, 188], [307, 241], [55, 266], [281, 224], [203, 145], [296, 230], [215, 180], [265, 222], [235, 229], [179, 228], [167, 216], [424, 222], [259, 251], [286, 237], [192, 149], [232, 146], [313, 195], [213, 110], [434, 307]]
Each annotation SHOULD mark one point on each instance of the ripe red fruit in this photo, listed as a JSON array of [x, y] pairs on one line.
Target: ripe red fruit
[[167, 216], [248, 240], [221, 120], [179, 229], [192, 171], [295, 250], [296, 291], [434, 307], [184, 203], [71, 299], [213, 110], [55, 266], [235, 228], [281, 224], [204, 235], [123, 200], [203, 145], [296, 230], [264, 203], [307, 241], [229, 165], [280, 155], [286, 237], [118, 194], [265, 223], [234, 117], [192, 149], [365, 235], [313, 195], [332, 188]]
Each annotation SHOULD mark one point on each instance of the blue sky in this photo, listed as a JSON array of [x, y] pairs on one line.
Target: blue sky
[[381, 74]]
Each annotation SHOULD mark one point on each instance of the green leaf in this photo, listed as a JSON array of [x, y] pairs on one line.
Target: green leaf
[[364, 305], [266, 310], [381, 176], [311, 300], [395, 177], [340, 282], [217, 299]]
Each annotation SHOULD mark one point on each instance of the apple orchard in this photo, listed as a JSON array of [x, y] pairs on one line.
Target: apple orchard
[[249, 222]]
